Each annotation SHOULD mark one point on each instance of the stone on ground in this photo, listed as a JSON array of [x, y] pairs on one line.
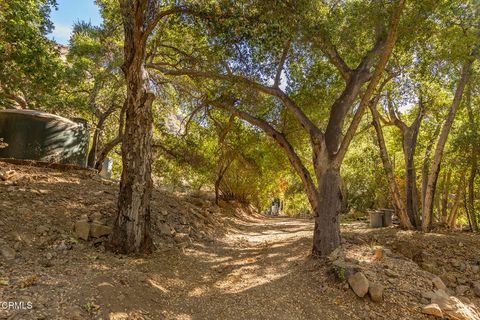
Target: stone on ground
[[433, 309], [118, 316], [376, 291], [98, 230], [82, 230], [391, 273], [461, 290], [8, 253], [359, 284], [476, 288], [165, 229], [453, 308], [438, 283]]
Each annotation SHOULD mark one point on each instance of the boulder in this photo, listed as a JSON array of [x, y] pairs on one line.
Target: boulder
[[476, 288], [456, 263], [165, 229], [82, 230], [359, 284], [8, 253], [438, 283], [453, 308], [375, 290], [99, 230], [433, 309], [97, 217], [42, 229], [391, 273], [118, 316], [461, 290]]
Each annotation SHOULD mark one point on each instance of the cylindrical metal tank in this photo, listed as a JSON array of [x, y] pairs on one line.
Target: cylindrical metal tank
[[387, 217], [376, 219], [35, 135]]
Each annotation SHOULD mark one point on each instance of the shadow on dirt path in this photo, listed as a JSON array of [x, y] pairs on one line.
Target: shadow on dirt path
[[264, 272]]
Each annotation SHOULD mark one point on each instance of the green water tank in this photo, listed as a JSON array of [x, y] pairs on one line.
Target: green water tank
[[35, 135]]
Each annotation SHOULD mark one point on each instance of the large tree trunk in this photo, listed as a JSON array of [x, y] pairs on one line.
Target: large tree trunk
[[131, 231], [427, 211], [92, 155], [425, 167], [405, 220], [221, 173], [473, 162], [471, 196], [409, 142], [409, 146], [445, 195], [102, 117], [327, 208], [452, 218]]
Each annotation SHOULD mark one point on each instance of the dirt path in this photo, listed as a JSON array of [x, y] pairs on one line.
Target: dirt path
[[260, 269], [259, 272]]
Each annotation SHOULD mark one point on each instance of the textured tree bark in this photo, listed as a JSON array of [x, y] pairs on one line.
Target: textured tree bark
[[452, 218], [405, 220], [409, 143], [92, 155], [131, 230], [327, 207], [409, 146], [221, 173], [445, 194], [471, 195], [425, 168], [427, 211], [473, 162], [438, 207]]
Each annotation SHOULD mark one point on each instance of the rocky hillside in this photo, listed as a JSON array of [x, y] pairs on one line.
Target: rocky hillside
[[53, 222], [51, 205]]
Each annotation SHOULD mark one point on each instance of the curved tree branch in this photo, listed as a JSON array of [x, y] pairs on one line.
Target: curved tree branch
[[382, 63], [246, 82], [281, 63], [279, 138]]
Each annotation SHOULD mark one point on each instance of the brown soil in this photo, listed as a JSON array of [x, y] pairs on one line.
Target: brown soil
[[242, 266]]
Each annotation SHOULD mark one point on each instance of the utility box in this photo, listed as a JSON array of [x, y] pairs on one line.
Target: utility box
[[35, 135]]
